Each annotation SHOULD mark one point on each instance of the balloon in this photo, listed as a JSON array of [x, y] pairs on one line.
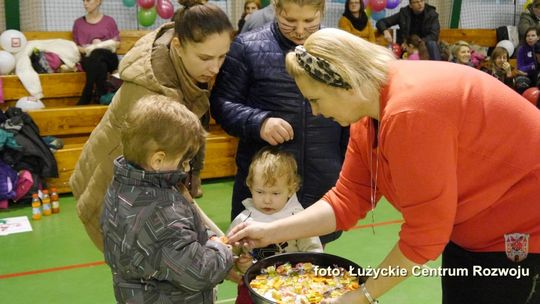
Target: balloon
[[146, 4], [508, 45], [147, 17], [531, 94], [7, 62], [377, 5], [378, 15], [129, 3], [391, 4], [366, 3], [368, 11], [165, 9], [12, 41]]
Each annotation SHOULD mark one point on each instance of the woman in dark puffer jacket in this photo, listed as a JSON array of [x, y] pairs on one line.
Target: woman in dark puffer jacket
[[256, 100]]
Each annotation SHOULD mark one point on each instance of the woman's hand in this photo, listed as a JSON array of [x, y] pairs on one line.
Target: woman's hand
[[250, 234], [388, 36], [276, 131]]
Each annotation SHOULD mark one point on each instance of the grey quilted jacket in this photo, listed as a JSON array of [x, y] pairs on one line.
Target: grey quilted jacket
[[155, 241]]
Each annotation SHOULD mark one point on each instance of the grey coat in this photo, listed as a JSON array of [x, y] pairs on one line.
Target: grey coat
[[155, 241], [526, 20]]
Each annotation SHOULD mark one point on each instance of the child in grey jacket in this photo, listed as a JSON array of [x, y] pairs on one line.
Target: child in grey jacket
[[155, 241]]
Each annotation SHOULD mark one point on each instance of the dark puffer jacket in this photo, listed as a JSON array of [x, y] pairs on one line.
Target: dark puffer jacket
[[431, 27], [253, 85]]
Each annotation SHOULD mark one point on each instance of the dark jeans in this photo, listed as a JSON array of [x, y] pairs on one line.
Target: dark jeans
[[97, 66], [489, 289], [433, 50]]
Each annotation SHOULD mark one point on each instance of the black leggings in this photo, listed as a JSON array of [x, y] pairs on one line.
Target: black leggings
[[489, 289], [97, 66]]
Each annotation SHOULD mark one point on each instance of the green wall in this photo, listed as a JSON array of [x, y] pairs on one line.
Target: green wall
[[12, 15]]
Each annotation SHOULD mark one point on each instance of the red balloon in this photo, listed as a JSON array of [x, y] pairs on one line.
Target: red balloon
[[531, 94], [377, 5], [165, 9], [146, 4]]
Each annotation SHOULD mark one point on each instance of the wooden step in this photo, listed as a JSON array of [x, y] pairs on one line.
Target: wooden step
[[57, 85], [220, 155], [70, 120]]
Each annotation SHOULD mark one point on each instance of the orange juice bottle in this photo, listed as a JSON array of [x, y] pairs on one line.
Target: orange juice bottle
[[55, 201], [36, 207], [46, 200]]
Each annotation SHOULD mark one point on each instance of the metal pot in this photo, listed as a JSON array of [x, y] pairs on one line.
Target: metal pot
[[320, 259]]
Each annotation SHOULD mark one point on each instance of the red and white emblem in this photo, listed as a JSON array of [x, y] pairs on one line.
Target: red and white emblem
[[517, 246]]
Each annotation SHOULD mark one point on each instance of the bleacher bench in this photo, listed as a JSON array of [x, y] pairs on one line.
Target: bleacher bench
[[73, 124]]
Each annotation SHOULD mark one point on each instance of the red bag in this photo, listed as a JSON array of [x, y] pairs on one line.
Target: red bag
[[24, 184]]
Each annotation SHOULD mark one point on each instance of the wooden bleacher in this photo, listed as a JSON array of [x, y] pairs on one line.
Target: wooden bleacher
[[73, 124]]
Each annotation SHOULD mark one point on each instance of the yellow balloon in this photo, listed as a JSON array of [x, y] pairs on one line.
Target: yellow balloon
[[368, 11], [526, 4]]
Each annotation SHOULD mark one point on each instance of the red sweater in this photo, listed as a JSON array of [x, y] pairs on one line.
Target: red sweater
[[459, 157]]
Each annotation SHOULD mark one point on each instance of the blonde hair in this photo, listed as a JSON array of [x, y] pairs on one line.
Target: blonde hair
[[318, 4], [457, 46], [362, 64], [160, 123], [275, 164]]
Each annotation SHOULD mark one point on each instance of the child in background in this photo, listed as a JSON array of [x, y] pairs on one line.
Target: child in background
[[273, 181], [250, 6], [155, 240], [499, 67], [526, 58], [416, 48]]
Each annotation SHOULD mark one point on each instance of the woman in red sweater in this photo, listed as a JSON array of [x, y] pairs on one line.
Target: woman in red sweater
[[453, 149]]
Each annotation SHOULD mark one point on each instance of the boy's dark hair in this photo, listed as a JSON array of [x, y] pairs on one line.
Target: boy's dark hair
[[197, 20], [160, 123]]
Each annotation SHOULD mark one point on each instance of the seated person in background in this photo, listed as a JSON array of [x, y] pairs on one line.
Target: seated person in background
[[356, 21], [273, 181], [418, 19], [155, 241], [529, 17], [250, 6], [499, 67], [97, 37], [526, 58], [461, 53], [415, 47], [259, 18]]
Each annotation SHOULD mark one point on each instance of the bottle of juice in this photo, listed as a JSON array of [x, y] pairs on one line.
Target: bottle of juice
[[55, 201], [46, 200], [36, 207]]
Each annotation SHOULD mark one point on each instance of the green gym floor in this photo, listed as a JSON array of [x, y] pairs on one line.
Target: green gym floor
[[57, 263]]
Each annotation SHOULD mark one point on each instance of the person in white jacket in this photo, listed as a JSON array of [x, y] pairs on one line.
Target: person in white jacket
[[273, 181]]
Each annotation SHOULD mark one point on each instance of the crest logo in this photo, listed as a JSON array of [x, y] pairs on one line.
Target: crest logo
[[517, 246]]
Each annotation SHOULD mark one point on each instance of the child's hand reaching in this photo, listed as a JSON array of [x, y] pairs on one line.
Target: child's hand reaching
[[243, 262]]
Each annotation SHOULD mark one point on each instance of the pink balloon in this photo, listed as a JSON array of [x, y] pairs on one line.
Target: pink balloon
[[366, 3], [165, 9], [146, 4], [377, 5]]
